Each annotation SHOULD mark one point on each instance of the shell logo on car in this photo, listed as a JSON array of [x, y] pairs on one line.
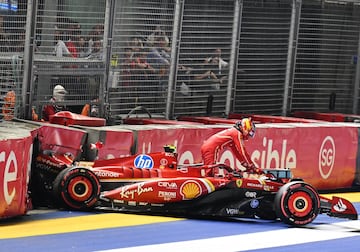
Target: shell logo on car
[[190, 190]]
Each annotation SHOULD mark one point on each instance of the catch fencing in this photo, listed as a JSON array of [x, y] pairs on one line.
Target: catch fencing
[[181, 57]]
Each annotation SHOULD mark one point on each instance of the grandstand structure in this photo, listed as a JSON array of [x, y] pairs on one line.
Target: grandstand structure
[[182, 57]]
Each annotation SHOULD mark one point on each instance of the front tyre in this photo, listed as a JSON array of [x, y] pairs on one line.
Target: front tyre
[[297, 203], [77, 188]]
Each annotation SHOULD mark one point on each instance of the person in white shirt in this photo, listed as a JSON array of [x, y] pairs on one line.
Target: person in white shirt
[[218, 60], [61, 49]]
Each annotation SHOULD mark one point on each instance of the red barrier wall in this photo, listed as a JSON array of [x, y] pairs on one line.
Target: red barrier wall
[[15, 163], [61, 139], [117, 143], [321, 154], [329, 117]]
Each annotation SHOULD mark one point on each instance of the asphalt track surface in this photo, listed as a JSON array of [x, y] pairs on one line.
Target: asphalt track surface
[[52, 230]]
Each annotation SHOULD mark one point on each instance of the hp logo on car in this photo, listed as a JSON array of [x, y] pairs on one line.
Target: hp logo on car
[[143, 161]]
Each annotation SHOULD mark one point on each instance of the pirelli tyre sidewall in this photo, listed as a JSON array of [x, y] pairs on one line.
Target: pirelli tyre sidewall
[[297, 203], [77, 188]]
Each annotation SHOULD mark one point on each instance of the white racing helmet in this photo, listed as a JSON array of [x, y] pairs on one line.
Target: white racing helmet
[[59, 93]]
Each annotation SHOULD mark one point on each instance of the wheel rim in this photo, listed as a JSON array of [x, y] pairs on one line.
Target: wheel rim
[[300, 204], [80, 188]]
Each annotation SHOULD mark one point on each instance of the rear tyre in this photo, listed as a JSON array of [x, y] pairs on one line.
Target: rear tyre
[[297, 203], [77, 188]]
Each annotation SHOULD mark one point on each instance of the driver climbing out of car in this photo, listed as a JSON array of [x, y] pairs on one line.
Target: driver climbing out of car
[[234, 138]]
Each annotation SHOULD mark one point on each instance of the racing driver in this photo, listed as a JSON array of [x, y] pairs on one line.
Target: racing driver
[[234, 138]]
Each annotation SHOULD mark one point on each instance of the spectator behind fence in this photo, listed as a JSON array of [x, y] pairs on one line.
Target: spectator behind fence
[[218, 63], [156, 35], [9, 105], [126, 62], [184, 76], [205, 78], [61, 50], [136, 45], [133, 65], [83, 47], [74, 31], [158, 58], [66, 36], [212, 72], [96, 34], [91, 108], [97, 50], [53, 107], [142, 67]]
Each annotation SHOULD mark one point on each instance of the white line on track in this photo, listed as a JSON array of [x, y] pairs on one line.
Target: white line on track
[[260, 240]]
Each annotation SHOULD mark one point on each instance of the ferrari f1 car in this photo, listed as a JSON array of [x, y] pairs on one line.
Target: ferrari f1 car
[[154, 183]]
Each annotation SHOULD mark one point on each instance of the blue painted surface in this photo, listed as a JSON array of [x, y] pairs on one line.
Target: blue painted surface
[[338, 245], [183, 230]]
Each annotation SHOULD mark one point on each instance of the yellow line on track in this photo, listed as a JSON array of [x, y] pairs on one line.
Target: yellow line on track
[[352, 197], [75, 224]]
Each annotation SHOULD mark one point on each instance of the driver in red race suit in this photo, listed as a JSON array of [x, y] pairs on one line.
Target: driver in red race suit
[[234, 138]]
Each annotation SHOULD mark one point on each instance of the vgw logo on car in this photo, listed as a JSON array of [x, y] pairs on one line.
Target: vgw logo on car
[[143, 161]]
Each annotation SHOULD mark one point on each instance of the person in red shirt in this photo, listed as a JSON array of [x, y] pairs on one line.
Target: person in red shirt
[[70, 44], [74, 32], [234, 138]]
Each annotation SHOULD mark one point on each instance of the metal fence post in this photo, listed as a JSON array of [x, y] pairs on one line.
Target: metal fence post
[[291, 57], [234, 55], [27, 84], [356, 82], [108, 37], [175, 47]]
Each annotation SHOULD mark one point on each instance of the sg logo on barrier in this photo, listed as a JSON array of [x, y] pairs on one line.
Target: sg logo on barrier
[[326, 157]]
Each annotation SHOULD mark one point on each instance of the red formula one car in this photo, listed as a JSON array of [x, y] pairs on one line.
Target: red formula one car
[[154, 183]]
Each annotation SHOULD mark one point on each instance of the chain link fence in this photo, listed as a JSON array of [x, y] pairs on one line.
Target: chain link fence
[[69, 50], [263, 56], [326, 57], [12, 39], [141, 55], [180, 57]]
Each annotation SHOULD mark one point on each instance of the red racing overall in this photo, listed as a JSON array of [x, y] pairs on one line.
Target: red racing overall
[[232, 138]]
